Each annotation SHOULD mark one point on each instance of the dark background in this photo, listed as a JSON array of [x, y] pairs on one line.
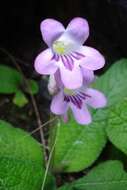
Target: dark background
[[20, 21]]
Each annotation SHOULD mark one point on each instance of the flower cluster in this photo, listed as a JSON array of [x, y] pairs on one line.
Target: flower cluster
[[71, 68]]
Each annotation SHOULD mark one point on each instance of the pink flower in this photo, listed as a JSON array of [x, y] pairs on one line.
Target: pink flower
[[77, 101], [67, 54]]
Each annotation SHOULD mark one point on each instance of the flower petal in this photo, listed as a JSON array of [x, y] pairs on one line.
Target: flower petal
[[82, 115], [43, 63], [71, 79], [58, 105], [52, 85], [93, 60], [78, 28], [88, 75], [97, 99], [58, 79], [51, 29]]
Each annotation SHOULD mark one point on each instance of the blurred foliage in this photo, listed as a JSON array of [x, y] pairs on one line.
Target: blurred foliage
[[12, 82], [20, 99]]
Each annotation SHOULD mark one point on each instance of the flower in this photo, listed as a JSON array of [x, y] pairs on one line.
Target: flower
[[66, 52], [52, 85], [77, 101]]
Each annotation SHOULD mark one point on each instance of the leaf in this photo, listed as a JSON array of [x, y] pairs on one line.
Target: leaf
[[66, 187], [106, 176], [79, 146], [50, 183], [10, 79], [113, 83], [117, 95], [117, 113], [33, 87], [117, 125], [20, 99], [21, 159]]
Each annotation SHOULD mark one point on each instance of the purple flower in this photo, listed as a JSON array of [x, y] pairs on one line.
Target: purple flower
[[67, 54], [77, 101]]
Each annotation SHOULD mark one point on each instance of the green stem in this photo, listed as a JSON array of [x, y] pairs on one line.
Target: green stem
[[49, 160]]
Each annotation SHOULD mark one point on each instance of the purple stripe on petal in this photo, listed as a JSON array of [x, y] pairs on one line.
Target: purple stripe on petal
[[55, 57], [76, 101], [79, 54], [74, 56], [66, 62], [63, 60], [73, 101], [81, 96], [66, 98], [69, 62], [85, 95]]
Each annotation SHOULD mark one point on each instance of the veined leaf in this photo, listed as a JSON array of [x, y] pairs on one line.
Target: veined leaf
[[117, 125], [21, 160], [106, 176]]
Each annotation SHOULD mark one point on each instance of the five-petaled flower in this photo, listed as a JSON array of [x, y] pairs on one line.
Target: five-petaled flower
[[66, 52], [77, 100]]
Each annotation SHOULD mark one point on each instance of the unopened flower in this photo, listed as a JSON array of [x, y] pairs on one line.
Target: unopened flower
[[77, 101], [52, 85], [66, 52]]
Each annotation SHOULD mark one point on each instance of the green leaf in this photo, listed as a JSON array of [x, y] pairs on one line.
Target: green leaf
[[117, 113], [33, 85], [113, 83], [10, 79], [20, 99], [21, 159], [50, 183], [117, 125], [79, 146], [106, 176], [66, 187], [116, 89]]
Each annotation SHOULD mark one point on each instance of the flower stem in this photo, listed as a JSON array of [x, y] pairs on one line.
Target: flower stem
[[49, 160]]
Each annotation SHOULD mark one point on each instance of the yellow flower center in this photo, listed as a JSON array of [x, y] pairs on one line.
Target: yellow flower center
[[59, 47], [69, 92], [62, 47]]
